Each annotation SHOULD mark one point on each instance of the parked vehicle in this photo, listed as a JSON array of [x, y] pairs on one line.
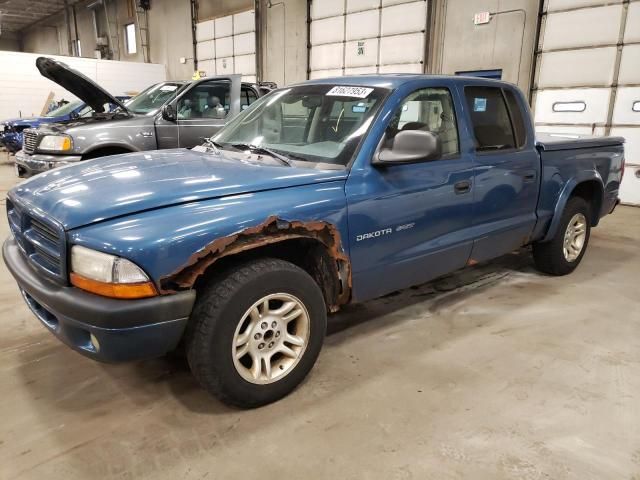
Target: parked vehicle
[[11, 130], [321, 194], [167, 115]]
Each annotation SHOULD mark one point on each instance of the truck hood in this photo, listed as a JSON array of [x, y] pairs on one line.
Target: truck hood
[[110, 187], [28, 122], [73, 81]]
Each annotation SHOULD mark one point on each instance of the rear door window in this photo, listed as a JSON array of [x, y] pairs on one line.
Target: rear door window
[[517, 119], [490, 119]]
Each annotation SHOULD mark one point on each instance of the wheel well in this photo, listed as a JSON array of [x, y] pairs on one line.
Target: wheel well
[[591, 192], [307, 253], [104, 152]]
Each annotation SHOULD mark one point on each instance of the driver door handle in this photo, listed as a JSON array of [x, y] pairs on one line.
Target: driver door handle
[[462, 187]]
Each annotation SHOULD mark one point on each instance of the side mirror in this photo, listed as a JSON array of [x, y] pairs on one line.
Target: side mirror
[[168, 113], [410, 146]]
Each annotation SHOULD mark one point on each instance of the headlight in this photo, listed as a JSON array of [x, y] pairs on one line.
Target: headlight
[[108, 275], [55, 143]]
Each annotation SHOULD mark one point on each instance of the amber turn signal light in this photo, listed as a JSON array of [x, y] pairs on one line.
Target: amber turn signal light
[[114, 290]]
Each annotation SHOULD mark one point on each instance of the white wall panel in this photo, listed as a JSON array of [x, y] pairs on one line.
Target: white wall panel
[[327, 30], [554, 5], [630, 187], [632, 145], [361, 53], [206, 50], [569, 29], [224, 66], [224, 26], [596, 105], [359, 5], [402, 68], [623, 111], [244, 43], [632, 32], [244, 22], [326, 8], [630, 64], [363, 24], [360, 70], [402, 49], [325, 73], [224, 47], [572, 68], [205, 31], [207, 66], [24, 90], [386, 3], [327, 57], [245, 64], [571, 130], [404, 18]]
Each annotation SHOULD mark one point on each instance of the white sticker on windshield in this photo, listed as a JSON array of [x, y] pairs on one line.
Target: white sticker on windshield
[[168, 88], [343, 91]]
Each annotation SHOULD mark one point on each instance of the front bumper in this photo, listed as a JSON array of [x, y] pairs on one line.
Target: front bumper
[[32, 164], [101, 328]]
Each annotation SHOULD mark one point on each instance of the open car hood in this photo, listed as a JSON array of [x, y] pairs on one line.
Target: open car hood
[[81, 86]]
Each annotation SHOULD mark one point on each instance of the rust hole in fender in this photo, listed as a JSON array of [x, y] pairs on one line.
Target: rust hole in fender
[[334, 276]]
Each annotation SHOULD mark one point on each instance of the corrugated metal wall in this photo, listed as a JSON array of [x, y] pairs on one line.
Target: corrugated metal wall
[[227, 45], [367, 36], [588, 75]]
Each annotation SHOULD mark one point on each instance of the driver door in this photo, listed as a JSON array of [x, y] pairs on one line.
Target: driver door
[[205, 109], [410, 223]]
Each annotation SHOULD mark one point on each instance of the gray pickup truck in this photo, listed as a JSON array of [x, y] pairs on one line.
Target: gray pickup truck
[[166, 115]]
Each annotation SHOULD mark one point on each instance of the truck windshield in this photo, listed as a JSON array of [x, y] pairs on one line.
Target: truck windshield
[[154, 97], [65, 109], [315, 123]]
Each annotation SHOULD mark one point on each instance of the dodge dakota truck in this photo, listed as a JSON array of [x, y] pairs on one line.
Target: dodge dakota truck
[[328, 192], [166, 115]]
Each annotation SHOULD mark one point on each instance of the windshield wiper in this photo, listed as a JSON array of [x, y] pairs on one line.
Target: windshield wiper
[[263, 151], [209, 143]]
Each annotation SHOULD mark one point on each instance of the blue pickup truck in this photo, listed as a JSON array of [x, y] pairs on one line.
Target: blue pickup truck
[[320, 194]]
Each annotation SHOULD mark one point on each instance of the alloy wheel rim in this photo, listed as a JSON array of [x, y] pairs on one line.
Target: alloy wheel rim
[[574, 237], [271, 338]]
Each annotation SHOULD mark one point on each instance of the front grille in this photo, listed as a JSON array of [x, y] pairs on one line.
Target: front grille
[[29, 140], [41, 240]]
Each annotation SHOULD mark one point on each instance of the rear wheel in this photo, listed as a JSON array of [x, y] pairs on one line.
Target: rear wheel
[[563, 253], [256, 332]]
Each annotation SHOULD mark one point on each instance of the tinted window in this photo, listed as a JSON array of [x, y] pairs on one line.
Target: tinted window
[[516, 118], [206, 100], [490, 118], [247, 97], [429, 109]]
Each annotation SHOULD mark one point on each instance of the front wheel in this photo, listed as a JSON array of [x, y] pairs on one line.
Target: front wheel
[[563, 253], [256, 332]]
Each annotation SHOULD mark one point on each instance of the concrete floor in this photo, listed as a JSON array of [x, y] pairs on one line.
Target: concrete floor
[[495, 372]]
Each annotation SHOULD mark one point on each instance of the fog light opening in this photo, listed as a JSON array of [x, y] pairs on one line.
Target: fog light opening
[[95, 342]]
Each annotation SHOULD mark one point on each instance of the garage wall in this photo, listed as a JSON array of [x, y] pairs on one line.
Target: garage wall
[[25, 91], [506, 43], [284, 41], [367, 36], [588, 75], [227, 45]]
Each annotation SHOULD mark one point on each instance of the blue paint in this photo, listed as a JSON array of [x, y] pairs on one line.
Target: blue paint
[[160, 208]]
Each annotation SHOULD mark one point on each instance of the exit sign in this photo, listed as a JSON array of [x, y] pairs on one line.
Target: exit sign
[[481, 18]]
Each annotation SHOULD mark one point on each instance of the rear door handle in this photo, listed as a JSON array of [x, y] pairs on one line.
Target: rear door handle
[[462, 187], [529, 176]]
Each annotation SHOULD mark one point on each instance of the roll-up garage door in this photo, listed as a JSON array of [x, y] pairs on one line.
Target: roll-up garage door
[[588, 75], [227, 45], [367, 36]]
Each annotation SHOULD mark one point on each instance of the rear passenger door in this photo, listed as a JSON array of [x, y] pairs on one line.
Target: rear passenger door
[[506, 170]]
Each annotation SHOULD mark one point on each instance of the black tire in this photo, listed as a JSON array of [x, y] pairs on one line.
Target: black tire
[[549, 256], [219, 308]]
